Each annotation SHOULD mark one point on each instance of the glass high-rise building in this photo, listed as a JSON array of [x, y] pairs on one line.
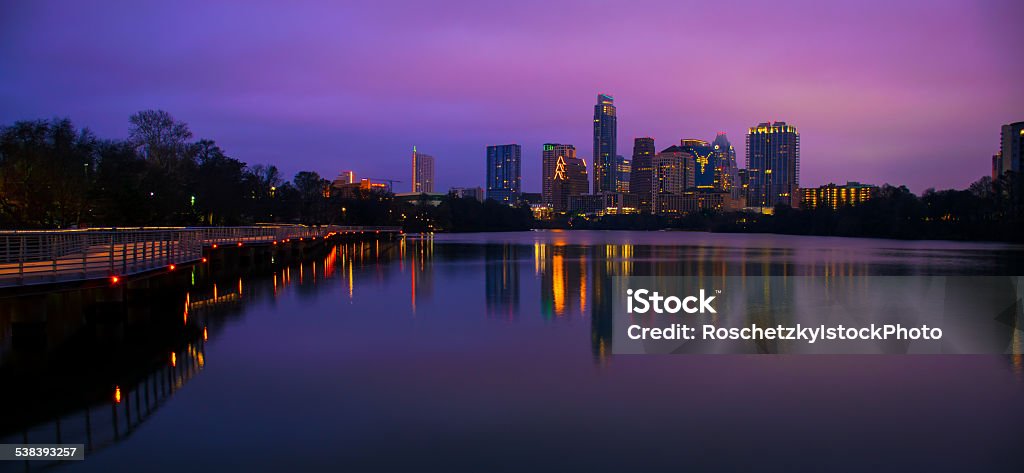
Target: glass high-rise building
[[742, 184], [641, 175], [773, 165], [422, 172], [504, 173], [605, 129], [704, 162], [726, 177], [622, 170]]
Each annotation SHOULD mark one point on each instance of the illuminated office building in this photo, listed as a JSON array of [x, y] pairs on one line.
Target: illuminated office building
[[549, 160], [623, 170], [773, 165], [641, 175], [672, 173], [605, 203], [673, 170], [726, 177], [742, 184], [834, 196], [504, 173], [422, 172], [570, 178], [694, 201], [703, 162], [605, 129]]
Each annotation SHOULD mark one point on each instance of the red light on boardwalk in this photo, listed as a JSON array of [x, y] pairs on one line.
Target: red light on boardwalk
[[114, 279], [204, 260], [171, 267], [275, 242], [239, 243], [117, 394], [215, 246]]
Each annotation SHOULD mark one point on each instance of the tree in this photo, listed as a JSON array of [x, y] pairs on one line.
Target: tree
[[312, 191], [158, 137], [45, 173], [117, 195], [219, 196], [170, 155]]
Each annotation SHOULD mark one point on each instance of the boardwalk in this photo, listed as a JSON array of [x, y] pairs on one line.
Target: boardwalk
[[47, 257]]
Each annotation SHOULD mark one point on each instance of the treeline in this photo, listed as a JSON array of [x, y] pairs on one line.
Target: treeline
[[988, 210], [466, 214], [55, 175]]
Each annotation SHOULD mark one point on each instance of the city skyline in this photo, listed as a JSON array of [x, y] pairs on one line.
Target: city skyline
[[277, 88]]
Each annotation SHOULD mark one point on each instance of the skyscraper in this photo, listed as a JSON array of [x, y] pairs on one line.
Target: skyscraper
[[704, 162], [1011, 143], [605, 130], [504, 173], [570, 178], [682, 176], [549, 160], [422, 172], [773, 165], [622, 171], [742, 184], [672, 173], [641, 175], [726, 177]]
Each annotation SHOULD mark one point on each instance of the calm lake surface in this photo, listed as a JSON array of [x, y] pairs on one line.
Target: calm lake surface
[[484, 352]]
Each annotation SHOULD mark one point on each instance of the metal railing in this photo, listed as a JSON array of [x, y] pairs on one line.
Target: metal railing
[[41, 257]]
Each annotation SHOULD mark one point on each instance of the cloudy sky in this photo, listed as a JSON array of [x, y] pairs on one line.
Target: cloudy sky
[[904, 92]]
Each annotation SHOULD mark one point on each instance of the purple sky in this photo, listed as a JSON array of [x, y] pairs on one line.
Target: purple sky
[[882, 91]]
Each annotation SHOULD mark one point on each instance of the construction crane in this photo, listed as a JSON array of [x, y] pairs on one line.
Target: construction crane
[[391, 182]]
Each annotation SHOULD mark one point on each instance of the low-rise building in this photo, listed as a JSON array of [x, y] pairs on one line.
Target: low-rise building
[[834, 196], [473, 192], [604, 203]]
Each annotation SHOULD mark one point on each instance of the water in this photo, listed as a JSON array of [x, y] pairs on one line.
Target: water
[[484, 352]]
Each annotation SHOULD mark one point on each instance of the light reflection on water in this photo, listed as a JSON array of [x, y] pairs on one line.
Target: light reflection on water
[[466, 351]]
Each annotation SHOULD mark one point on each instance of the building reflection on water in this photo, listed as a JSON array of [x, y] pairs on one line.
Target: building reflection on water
[[501, 276], [92, 365], [91, 369]]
